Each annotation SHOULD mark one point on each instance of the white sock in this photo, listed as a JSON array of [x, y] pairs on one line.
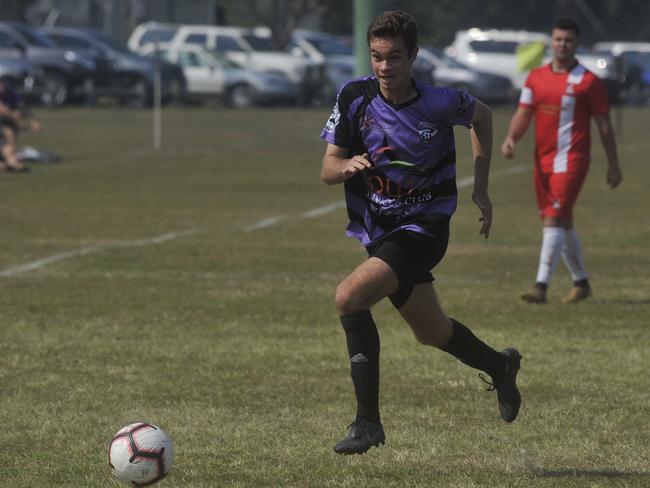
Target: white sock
[[572, 255], [549, 256]]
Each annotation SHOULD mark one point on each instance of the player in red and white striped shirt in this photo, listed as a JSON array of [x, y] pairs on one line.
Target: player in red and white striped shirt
[[563, 97]]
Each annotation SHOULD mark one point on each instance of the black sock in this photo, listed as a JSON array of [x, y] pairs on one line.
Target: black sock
[[363, 348], [468, 348]]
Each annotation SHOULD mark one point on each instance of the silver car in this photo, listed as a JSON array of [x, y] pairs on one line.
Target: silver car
[[210, 75], [446, 71]]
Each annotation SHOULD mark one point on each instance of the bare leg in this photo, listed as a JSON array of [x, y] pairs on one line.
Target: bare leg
[[366, 285], [425, 316], [9, 150]]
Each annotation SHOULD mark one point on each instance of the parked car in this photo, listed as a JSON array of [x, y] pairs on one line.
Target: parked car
[[121, 73], [494, 51], [146, 35], [321, 47], [635, 68], [446, 71], [18, 71], [65, 72], [211, 75], [248, 49], [318, 45]]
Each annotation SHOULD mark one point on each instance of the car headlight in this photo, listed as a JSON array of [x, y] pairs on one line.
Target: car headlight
[[80, 60]]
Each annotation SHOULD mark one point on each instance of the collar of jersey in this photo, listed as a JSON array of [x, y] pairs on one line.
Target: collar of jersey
[[402, 105]]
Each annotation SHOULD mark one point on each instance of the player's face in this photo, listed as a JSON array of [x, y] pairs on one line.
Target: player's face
[[564, 44], [391, 63]]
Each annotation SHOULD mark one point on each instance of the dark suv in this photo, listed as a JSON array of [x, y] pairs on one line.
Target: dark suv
[[120, 73], [65, 72], [19, 72]]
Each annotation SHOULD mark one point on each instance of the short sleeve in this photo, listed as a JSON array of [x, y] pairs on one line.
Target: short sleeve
[[337, 128], [527, 96], [458, 108], [598, 100]]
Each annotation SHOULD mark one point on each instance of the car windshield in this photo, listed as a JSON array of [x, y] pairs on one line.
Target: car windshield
[[110, 42], [451, 62], [446, 59], [157, 35], [33, 37], [264, 44], [330, 46], [490, 46]]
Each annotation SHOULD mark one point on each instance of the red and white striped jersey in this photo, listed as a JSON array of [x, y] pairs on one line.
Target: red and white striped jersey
[[564, 104]]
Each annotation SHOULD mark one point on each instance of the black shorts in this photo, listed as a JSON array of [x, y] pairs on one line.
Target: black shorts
[[411, 256]]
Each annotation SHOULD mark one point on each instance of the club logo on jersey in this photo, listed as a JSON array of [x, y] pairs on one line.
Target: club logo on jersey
[[427, 132], [463, 107], [333, 121]]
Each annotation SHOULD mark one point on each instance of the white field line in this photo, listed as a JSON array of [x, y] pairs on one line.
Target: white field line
[[330, 207], [261, 224], [318, 211], [39, 263]]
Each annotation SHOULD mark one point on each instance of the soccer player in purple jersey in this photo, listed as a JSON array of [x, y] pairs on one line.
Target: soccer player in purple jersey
[[391, 142]]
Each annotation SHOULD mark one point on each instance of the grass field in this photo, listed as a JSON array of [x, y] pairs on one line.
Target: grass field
[[191, 288]]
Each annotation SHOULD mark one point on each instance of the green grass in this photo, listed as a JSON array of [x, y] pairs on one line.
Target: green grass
[[228, 338]]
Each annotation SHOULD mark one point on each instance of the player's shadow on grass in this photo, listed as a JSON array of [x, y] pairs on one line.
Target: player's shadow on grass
[[539, 472]]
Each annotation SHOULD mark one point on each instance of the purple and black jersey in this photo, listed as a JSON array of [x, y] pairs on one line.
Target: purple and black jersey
[[412, 182]]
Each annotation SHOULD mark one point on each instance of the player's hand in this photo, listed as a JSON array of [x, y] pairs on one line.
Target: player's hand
[[355, 165], [482, 201], [614, 176], [34, 125], [508, 148]]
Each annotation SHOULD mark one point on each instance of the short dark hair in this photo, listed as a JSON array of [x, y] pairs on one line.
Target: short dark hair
[[567, 24], [395, 23]]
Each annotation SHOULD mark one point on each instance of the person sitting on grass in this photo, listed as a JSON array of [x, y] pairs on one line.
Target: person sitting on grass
[[13, 118]]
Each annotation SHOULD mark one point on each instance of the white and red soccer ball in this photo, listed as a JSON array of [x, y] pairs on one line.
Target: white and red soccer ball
[[141, 454]]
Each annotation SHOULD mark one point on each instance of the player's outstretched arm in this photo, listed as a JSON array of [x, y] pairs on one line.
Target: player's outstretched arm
[[614, 173], [481, 134], [337, 167], [518, 127]]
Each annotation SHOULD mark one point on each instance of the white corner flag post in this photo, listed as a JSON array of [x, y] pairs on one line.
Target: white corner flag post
[[157, 102]]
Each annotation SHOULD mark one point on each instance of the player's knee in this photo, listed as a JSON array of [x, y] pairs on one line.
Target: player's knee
[[347, 301]]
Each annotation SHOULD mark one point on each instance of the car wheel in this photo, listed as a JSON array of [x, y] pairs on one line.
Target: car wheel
[[174, 92], [138, 94], [241, 96], [55, 90]]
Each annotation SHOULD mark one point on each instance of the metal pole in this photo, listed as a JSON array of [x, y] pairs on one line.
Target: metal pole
[[157, 102], [364, 12]]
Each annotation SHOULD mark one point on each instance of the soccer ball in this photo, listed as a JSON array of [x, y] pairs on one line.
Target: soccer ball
[[141, 454]]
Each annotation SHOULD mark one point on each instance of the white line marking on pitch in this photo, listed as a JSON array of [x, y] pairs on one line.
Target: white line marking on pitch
[[330, 207], [317, 212], [261, 224], [39, 263]]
